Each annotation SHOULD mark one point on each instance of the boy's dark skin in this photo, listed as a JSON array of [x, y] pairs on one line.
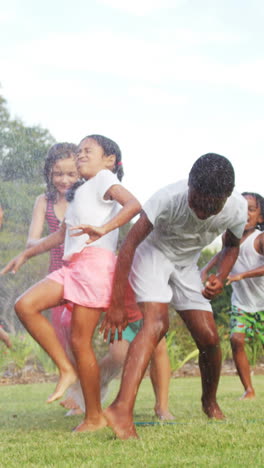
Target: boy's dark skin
[[200, 323]]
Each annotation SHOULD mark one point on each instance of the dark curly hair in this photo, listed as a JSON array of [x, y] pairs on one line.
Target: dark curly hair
[[260, 202], [56, 152], [212, 175]]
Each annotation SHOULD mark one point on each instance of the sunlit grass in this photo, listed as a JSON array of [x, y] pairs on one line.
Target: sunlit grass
[[36, 434]]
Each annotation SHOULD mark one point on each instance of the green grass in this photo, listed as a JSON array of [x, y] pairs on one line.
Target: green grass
[[34, 434]]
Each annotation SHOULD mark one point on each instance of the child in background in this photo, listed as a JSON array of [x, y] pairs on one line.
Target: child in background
[[60, 173], [159, 255], [247, 279], [97, 209]]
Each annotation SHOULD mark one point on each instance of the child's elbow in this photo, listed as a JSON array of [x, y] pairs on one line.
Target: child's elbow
[[136, 207]]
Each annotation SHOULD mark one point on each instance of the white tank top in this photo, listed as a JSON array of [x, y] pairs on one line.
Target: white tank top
[[248, 294]]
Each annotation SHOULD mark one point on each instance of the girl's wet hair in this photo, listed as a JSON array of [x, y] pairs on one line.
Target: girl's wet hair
[[212, 174], [110, 147], [56, 152], [260, 202]]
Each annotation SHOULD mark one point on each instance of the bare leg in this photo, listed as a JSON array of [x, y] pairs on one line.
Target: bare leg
[[112, 363], [120, 413], [203, 330], [242, 364], [42, 296], [84, 322], [5, 338], [160, 374]]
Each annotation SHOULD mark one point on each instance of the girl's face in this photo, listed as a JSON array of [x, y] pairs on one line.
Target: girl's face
[[64, 174], [91, 158], [254, 213]]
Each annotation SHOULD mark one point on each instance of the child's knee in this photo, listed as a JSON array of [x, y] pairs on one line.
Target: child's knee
[[22, 307], [237, 341], [79, 341]]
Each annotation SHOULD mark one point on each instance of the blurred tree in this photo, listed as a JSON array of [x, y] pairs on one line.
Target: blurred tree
[[22, 148]]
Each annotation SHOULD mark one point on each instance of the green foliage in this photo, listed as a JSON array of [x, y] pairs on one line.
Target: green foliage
[[17, 200], [180, 344], [22, 148], [25, 351]]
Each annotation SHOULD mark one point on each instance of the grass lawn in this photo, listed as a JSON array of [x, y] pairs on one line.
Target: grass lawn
[[34, 434]]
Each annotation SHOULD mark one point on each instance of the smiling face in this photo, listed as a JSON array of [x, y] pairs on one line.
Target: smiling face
[[203, 205], [91, 158], [64, 174], [254, 213]]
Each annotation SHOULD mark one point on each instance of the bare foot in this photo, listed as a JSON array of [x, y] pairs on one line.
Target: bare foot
[[212, 410], [69, 403], [74, 412], [124, 429], [65, 381], [248, 395], [91, 426], [163, 415]]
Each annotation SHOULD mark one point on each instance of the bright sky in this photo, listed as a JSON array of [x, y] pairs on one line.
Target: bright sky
[[168, 80]]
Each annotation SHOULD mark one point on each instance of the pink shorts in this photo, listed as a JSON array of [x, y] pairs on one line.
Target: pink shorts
[[87, 278]]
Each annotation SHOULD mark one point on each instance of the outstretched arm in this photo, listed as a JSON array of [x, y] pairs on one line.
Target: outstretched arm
[[130, 208], [44, 245], [225, 261], [116, 315]]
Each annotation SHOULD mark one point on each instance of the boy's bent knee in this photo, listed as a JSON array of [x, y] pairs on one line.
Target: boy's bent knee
[[237, 341], [209, 340]]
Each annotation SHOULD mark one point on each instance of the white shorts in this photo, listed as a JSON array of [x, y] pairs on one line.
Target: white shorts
[[155, 279]]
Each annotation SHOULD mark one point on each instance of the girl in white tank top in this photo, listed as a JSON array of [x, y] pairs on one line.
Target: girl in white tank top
[[247, 279]]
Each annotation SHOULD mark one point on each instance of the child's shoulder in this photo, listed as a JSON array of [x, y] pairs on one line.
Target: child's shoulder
[[41, 201]]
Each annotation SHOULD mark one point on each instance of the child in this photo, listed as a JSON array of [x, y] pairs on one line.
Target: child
[[90, 231], [161, 250], [60, 174], [247, 279]]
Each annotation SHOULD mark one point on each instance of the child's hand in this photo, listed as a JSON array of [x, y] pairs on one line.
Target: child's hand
[[94, 232], [213, 287], [14, 264], [115, 320], [232, 278]]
